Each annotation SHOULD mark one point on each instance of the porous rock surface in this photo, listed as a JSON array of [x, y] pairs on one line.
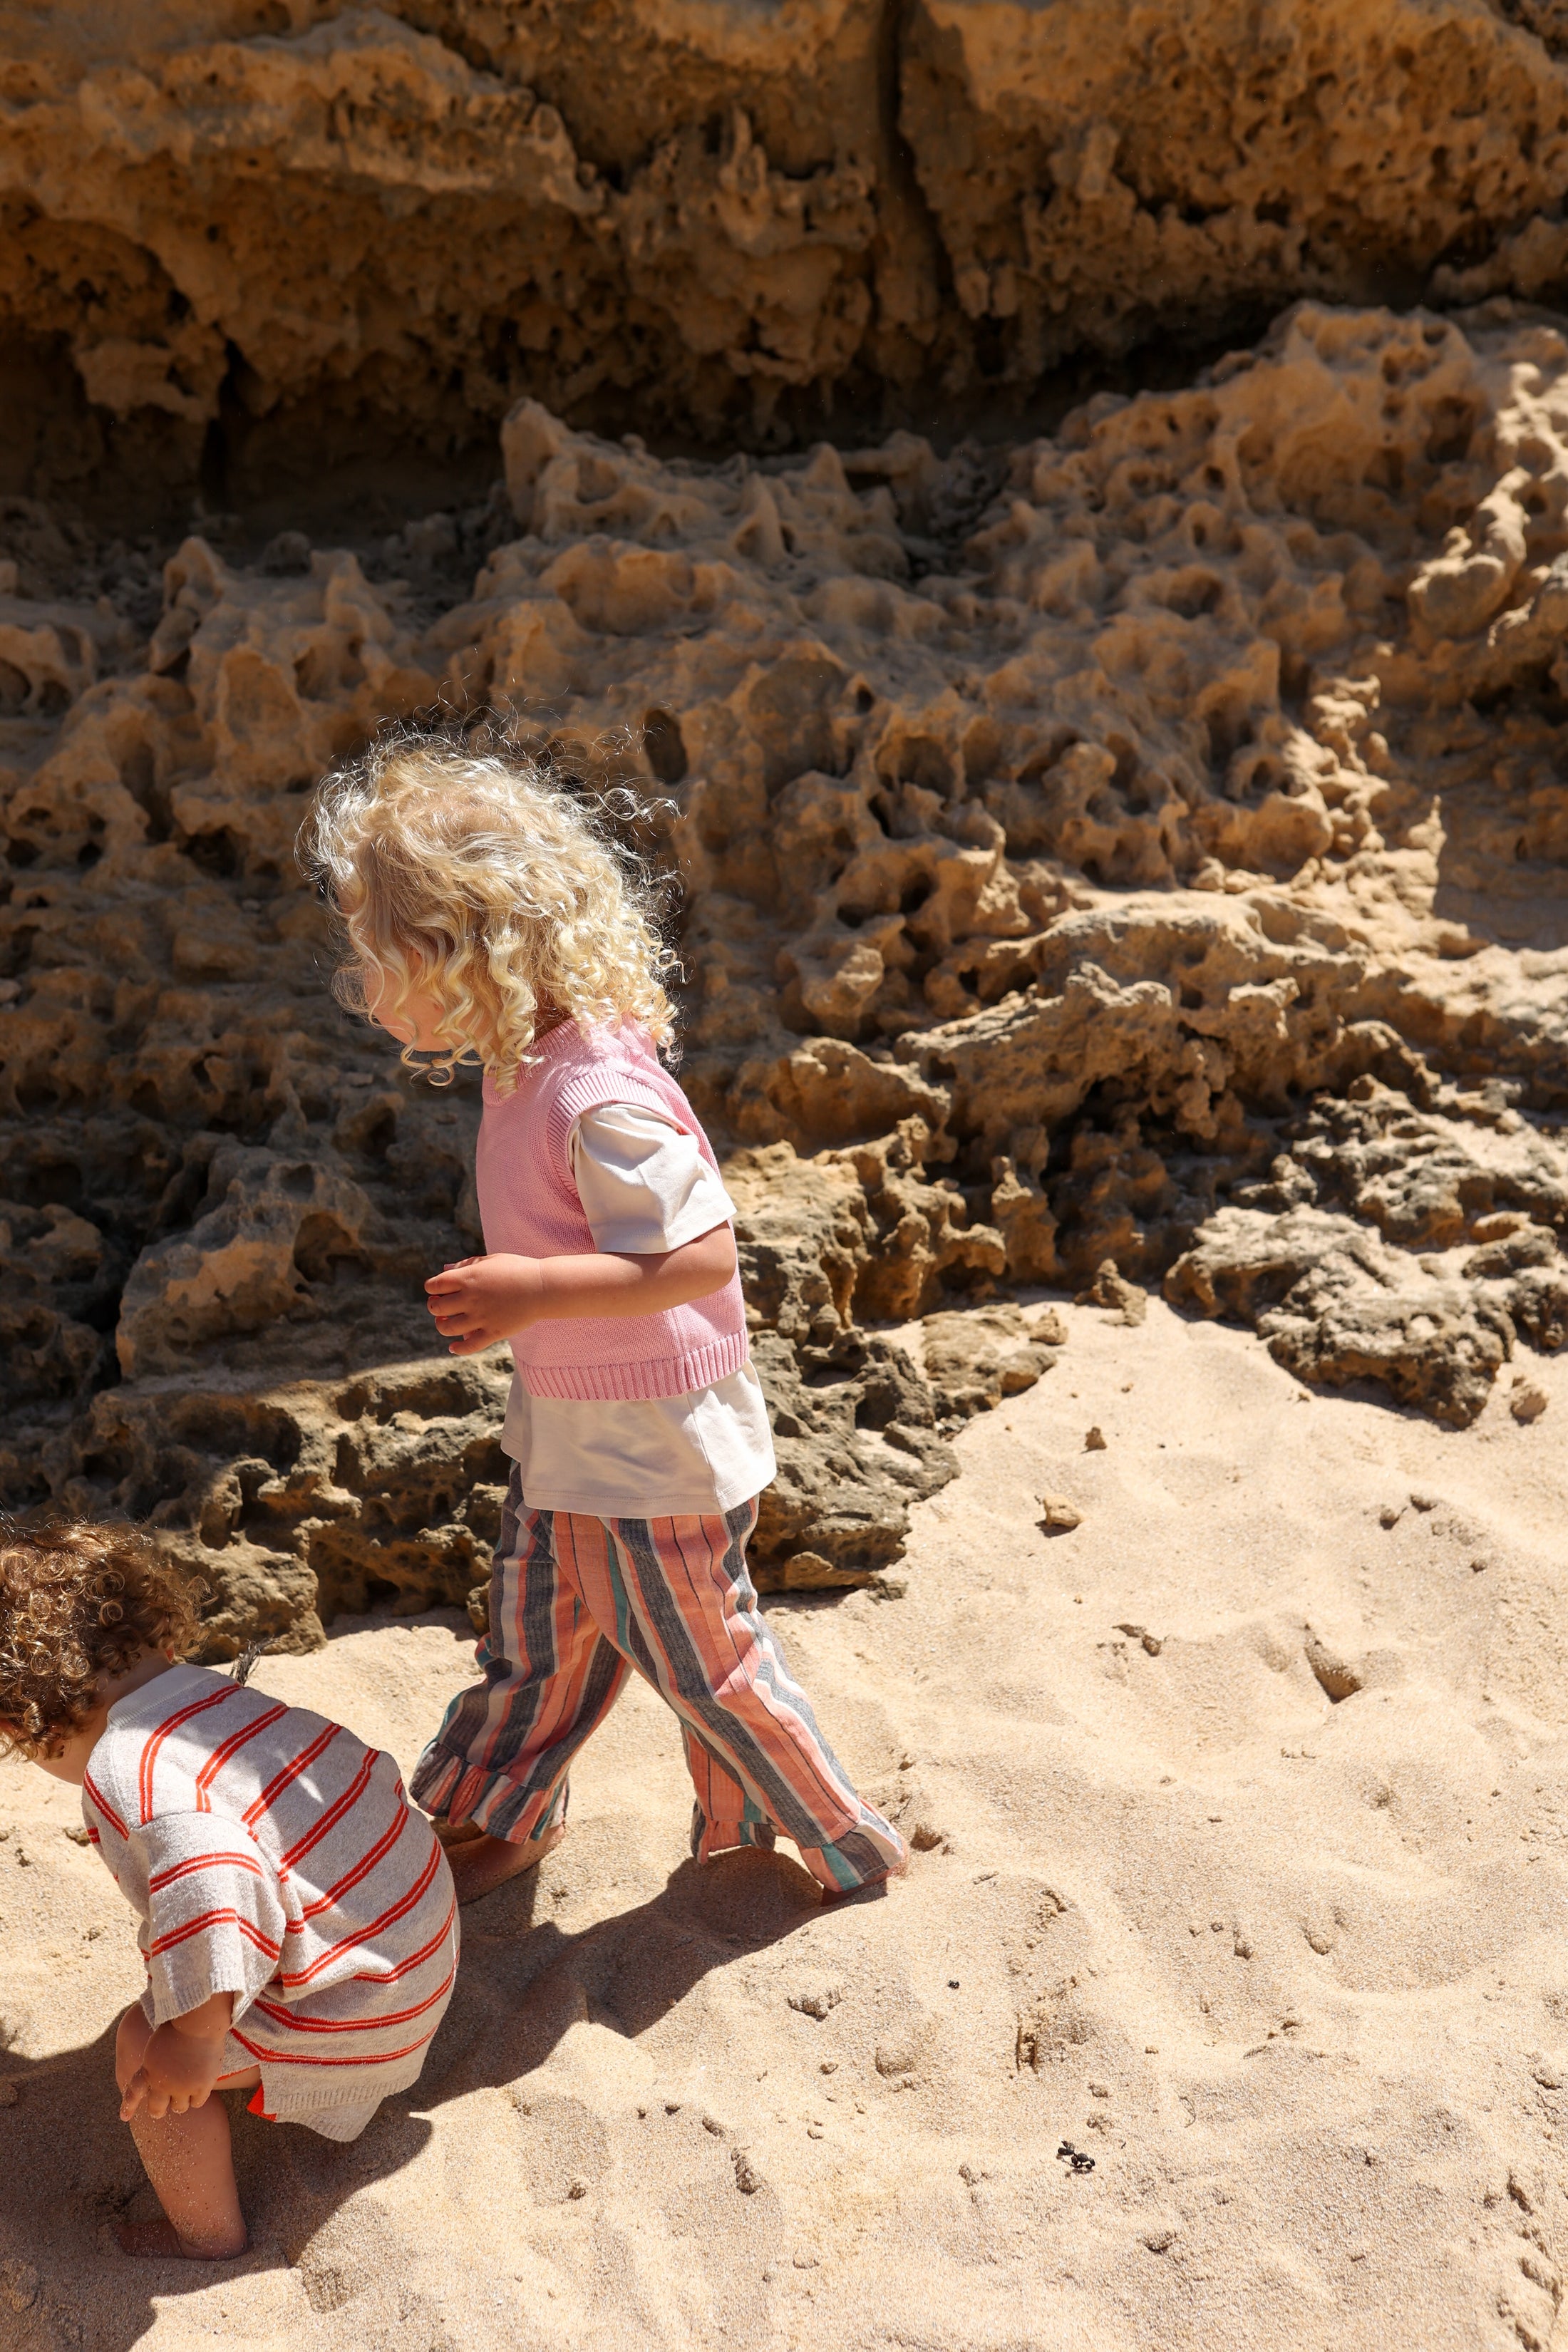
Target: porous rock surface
[[1143, 845], [264, 235]]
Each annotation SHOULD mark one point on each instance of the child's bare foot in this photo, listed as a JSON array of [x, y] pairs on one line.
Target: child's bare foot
[[159, 2241], [482, 1864]]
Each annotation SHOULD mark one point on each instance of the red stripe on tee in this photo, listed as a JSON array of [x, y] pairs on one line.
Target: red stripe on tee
[[297, 2058], [214, 1919], [361, 1868], [102, 1804], [415, 1959], [355, 2024], [393, 1912], [231, 1748], [151, 1751], [281, 1780], [202, 1862], [344, 1803]]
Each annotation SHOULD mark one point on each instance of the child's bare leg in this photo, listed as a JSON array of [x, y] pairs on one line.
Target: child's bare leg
[[451, 1834], [189, 2162], [482, 1863]]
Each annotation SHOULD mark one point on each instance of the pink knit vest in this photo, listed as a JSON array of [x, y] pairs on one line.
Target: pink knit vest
[[529, 1205]]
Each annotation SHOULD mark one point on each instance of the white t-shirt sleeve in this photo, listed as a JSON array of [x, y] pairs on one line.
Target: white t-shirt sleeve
[[643, 1182], [215, 1918]]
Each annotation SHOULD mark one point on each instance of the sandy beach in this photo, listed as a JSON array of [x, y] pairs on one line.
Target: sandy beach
[[1041, 533], [1288, 1966]]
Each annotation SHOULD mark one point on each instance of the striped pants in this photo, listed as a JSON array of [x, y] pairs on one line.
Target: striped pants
[[575, 1603]]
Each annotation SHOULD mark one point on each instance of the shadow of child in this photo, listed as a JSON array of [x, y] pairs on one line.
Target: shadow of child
[[73, 2170]]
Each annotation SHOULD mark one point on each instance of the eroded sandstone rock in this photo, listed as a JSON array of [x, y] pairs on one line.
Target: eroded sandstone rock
[[855, 1432], [1336, 1304], [1432, 1319], [1059, 1514], [1128, 1301], [372, 229], [1091, 852], [973, 1359], [303, 1499], [854, 1421]]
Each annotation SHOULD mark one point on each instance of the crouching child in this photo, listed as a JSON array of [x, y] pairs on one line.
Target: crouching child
[[297, 1918]]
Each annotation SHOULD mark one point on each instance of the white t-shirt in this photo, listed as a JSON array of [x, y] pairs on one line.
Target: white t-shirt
[[645, 1187]]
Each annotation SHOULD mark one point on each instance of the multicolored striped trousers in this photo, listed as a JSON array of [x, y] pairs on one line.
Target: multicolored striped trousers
[[575, 1603]]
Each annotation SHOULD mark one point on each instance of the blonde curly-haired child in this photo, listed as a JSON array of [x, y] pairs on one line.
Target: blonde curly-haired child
[[489, 919]]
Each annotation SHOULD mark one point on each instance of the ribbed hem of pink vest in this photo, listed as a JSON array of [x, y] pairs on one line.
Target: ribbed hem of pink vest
[[665, 1376]]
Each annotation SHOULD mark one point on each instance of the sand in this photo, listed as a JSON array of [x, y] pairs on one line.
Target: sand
[[1289, 1967]]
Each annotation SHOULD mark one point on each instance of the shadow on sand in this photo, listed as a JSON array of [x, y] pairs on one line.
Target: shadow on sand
[[72, 2170]]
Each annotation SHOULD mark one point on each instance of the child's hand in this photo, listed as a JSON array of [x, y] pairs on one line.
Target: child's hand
[[482, 1300], [479, 1300], [180, 2063]]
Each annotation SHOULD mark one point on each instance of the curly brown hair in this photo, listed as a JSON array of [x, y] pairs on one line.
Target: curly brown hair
[[79, 1599]]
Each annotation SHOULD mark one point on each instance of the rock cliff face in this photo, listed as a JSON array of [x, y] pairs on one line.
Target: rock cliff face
[[255, 243], [1145, 844]]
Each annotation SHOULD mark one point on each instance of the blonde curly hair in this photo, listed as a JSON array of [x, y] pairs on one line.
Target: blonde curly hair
[[472, 877], [77, 1601]]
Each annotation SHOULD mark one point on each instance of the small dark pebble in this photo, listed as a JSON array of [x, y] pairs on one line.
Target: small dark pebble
[[953, 1984]]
